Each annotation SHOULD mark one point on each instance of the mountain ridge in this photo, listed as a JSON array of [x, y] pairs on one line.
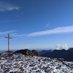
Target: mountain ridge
[[65, 54]]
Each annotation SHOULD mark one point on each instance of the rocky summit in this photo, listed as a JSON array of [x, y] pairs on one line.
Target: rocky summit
[[18, 63]]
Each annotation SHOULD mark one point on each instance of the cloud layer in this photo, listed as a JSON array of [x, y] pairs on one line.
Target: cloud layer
[[62, 46], [58, 30], [4, 6]]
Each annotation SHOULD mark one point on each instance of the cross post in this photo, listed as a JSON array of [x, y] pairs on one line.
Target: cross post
[[8, 37], [8, 41]]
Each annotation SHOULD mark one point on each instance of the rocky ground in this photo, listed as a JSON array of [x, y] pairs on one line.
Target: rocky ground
[[18, 63]]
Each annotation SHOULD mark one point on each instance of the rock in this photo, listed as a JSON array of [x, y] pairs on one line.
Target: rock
[[20, 63]]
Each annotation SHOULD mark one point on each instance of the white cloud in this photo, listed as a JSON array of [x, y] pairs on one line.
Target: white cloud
[[16, 35], [4, 6], [58, 30], [62, 46]]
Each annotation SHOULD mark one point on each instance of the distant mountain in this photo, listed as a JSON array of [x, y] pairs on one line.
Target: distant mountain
[[65, 54]]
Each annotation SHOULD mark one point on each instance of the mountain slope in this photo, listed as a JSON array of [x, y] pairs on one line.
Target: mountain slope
[[18, 63], [65, 54]]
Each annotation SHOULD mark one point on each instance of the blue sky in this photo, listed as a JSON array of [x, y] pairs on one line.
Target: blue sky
[[36, 23]]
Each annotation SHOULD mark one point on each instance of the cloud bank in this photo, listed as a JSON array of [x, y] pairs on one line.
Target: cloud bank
[[4, 6], [58, 30], [62, 46]]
